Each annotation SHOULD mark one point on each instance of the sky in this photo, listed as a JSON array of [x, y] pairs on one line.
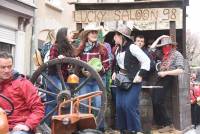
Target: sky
[[193, 19]]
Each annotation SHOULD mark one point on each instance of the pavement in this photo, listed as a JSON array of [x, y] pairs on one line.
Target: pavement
[[192, 131], [197, 130]]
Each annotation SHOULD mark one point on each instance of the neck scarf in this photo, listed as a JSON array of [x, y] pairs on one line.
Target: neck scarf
[[89, 46], [166, 49], [167, 60]]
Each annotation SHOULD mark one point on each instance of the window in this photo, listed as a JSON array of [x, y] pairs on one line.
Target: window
[[54, 4], [5, 47], [8, 48]]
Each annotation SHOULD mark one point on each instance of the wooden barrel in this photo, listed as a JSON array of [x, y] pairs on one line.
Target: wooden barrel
[[146, 110]]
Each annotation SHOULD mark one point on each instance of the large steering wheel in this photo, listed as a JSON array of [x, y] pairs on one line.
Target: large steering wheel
[[65, 92], [8, 111]]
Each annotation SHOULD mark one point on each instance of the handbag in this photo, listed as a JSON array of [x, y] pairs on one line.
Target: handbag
[[123, 82]]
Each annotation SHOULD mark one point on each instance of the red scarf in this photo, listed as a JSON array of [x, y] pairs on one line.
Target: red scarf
[[166, 50], [167, 57]]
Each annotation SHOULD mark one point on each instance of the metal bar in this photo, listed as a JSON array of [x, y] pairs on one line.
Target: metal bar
[[150, 87], [94, 108], [76, 100], [71, 107]]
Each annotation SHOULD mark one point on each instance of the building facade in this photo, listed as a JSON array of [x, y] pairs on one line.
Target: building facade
[[16, 30], [52, 15]]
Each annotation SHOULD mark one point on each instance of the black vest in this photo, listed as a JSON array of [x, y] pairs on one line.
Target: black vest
[[131, 63]]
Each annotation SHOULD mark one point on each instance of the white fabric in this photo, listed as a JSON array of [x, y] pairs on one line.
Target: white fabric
[[120, 59], [141, 56], [47, 56]]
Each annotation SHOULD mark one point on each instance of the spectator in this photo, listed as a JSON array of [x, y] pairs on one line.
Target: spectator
[[29, 109], [140, 42]]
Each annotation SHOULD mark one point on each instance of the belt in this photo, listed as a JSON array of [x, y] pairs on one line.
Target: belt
[[124, 71]]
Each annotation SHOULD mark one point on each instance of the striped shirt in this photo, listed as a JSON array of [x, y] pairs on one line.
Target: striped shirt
[[177, 62]]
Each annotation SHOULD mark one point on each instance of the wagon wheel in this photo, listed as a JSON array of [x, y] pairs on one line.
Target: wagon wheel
[[67, 93], [8, 111]]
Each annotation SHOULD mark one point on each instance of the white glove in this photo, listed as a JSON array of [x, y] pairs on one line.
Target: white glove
[[61, 56], [113, 76], [1, 110], [198, 98], [21, 127], [137, 79]]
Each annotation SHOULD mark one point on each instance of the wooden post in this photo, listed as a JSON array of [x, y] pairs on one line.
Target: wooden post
[[181, 111], [184, 106], [184, 30], [173, 30]]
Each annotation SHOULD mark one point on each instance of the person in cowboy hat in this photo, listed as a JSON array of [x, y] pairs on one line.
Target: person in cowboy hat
[[90, 50], [133, 63], [172, 64]]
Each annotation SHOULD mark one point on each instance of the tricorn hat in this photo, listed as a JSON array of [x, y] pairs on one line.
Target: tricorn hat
[[166, 41]]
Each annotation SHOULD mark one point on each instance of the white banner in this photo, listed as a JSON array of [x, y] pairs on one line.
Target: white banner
[[145, 19]]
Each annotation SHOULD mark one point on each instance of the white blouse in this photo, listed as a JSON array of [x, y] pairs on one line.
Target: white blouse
[[138, 53]]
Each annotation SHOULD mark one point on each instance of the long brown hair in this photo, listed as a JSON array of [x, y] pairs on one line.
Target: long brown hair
[[81, 46], [64, 47]]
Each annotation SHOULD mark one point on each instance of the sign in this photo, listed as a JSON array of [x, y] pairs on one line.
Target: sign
[[145, 19]]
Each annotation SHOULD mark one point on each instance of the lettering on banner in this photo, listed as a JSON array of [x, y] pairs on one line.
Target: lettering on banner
[[148, 18]]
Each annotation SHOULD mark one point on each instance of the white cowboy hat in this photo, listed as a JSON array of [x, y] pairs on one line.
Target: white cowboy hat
[[124, 30], [166, 41], [88, 28]]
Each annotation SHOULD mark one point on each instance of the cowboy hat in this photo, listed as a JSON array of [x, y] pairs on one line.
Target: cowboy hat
[[166, 41], [88, 28], [37, 58], [124, 30]]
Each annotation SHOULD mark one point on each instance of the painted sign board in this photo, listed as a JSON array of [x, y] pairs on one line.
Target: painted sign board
[[144, 19]]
